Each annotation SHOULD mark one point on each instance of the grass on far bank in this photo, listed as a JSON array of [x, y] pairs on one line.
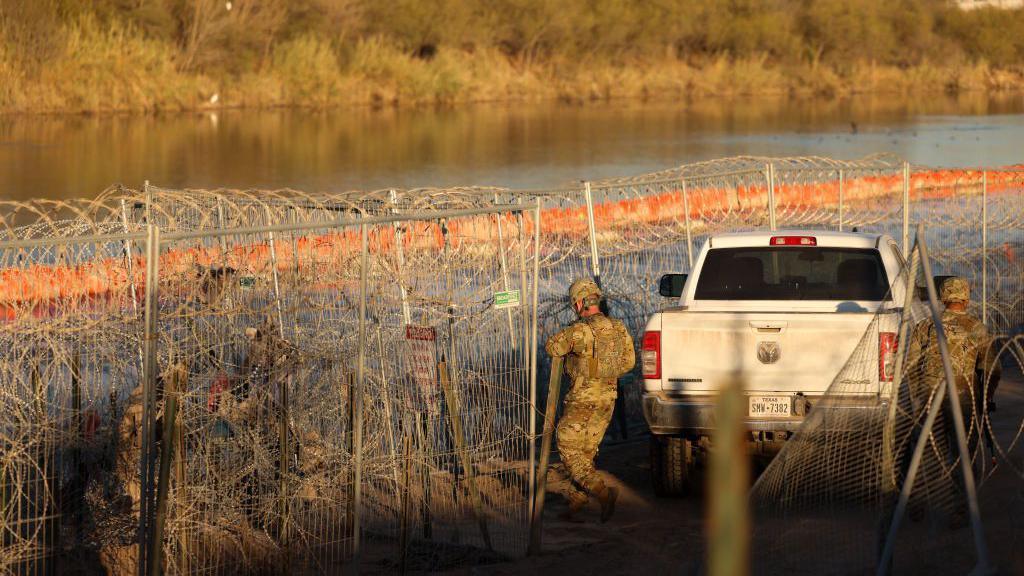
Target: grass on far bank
[[103, 68]]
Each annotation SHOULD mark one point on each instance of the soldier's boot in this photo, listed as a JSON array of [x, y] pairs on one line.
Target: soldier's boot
[[575, 506], [607, 497]]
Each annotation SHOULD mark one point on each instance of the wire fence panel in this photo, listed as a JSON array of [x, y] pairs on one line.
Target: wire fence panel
[[69, 334], [263, 332], [837, 195], [834, 486], [314, 413], [448, 379]]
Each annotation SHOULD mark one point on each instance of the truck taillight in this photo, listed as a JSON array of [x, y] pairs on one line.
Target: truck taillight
[[794, 241], [886, 356], [650, 355]]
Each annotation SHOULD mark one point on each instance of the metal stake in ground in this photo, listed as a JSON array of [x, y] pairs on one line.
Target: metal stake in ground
[[357, 404], [405, 512], [149, 384], [452, 399], [424, 469], [537, 519], [455, 421], [175, 382]]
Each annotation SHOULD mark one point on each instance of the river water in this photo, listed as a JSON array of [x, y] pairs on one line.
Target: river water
[[514, 145]]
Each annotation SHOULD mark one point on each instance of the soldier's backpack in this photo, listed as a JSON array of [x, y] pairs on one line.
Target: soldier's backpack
[[605, 349]]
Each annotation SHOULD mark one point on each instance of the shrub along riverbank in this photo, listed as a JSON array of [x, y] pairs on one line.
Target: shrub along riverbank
[[155, 55]]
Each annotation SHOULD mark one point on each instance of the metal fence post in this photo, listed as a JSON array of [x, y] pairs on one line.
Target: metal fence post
[[174, 385], [130, 267], [127, 247], [906, 207], [770, 177], [537, 513], [533, 356], [527, 356], [595, 261], [400, 257], [274, 276], [222, 224], [148, 196], [689, 233], [503, 261], [282, 394], [357, 432], [148, 383], [984, 247], [841, 199]]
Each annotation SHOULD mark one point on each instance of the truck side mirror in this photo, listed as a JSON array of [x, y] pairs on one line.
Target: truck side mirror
[[671, 285]]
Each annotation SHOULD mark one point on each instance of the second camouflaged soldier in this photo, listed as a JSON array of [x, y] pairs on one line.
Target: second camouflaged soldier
[[598, 350], [970, 351]]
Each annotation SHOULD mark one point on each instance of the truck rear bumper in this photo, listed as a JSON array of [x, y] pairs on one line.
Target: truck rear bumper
[[697, 415]]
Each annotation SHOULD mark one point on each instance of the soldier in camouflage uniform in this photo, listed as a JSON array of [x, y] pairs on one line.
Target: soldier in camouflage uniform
[[970, 350], [599, 350]]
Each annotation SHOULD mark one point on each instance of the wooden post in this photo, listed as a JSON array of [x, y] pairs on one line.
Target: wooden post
[[184, 544], [404, 518], [282, 471], [147, 454], [425, 473], [389, 415], [537, 520], [455, 421], [350, 433], [728, 525], [172, 385], [76, 418], [357, 404]]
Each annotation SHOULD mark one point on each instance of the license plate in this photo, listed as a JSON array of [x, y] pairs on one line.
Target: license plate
[[770, 406]]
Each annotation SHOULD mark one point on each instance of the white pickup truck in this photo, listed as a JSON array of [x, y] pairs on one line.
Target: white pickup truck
[[780, 311]]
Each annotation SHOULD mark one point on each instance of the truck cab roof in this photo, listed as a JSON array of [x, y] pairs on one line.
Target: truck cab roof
[[826, 238]]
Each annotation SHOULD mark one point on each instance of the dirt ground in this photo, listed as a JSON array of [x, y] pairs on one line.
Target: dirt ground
[[652, 535]]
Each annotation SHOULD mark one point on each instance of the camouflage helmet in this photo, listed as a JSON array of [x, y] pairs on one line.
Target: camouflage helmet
[[955, 289], [584, 289]]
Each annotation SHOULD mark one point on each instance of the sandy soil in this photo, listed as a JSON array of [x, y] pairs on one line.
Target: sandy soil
[[652, 535]]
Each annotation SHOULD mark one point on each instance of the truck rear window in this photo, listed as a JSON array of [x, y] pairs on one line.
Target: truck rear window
[[793, 273]]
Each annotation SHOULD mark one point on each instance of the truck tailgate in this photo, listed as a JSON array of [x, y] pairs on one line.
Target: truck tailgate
[[799, 352]]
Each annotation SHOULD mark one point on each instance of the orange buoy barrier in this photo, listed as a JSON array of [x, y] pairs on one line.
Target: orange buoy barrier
[[38, 289]]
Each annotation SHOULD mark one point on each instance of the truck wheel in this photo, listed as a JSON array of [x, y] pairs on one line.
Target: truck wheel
[[671, 465]]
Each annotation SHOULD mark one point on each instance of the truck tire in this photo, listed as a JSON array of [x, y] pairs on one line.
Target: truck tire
[[671, 465]]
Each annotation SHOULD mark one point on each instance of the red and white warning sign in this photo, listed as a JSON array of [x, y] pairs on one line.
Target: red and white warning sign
[[421, 346]]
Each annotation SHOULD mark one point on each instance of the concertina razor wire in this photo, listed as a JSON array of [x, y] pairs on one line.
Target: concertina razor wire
[[626, 232]]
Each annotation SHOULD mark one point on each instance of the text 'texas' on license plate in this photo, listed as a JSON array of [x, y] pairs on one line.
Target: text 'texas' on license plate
[[770, 406]]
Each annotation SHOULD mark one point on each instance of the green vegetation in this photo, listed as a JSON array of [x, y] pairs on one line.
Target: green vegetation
[[110, 55]]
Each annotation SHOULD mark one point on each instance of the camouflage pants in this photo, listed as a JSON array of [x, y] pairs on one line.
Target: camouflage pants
[[588, 410]]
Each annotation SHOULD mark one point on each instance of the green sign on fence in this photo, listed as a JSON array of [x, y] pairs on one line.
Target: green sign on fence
[[506, 299]]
